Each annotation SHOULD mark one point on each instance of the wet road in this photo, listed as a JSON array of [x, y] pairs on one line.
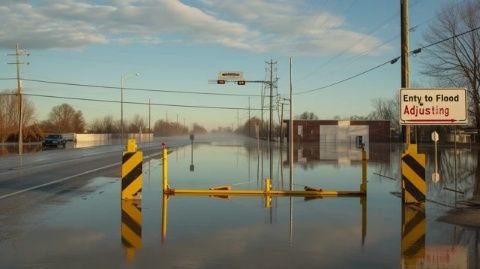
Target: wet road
[[26, 173]]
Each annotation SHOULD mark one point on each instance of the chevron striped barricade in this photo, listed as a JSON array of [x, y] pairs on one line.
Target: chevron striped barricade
[[131, 227], [132, 176], [414, 187], [413, 237]]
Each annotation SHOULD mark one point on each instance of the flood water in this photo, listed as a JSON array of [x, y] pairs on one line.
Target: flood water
[[87, 228]]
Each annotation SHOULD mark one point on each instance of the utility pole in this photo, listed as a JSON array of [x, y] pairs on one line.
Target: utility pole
[[262, 100], [149, 115], [270, 126], [290, 132], [281, 125], [17, 54], [249, 122], [404, 55], [271, 95], [238, 120]]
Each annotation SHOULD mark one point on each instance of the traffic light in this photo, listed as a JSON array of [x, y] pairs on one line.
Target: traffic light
[[241, 82], [221, 81]]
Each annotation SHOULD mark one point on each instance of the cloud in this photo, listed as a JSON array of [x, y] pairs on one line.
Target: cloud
[[279, 26], [23, 23]]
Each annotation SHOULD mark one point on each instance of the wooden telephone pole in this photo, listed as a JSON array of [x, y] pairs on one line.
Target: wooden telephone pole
[[17, 62]]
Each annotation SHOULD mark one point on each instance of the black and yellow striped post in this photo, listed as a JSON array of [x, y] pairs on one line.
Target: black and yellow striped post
[[414, 188], [131, 227], [413, 237], [132, 176]]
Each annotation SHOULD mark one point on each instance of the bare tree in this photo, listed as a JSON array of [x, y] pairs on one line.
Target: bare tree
[[137, 124], [198, 129], [9, 115], [387, 109], [63, 119], [307, 116], [456, 62], [78, 122], [164, 128], [107, 125]]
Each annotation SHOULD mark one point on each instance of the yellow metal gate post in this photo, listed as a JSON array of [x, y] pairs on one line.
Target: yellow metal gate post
[[268, 188], [165, 169], [363, 186]]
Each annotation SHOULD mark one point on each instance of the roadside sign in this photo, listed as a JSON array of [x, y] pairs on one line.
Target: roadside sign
[[433, 106], [230, 76], [435, 136]]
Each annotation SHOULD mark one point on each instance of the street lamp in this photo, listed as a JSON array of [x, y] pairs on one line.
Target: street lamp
[[122, 82]]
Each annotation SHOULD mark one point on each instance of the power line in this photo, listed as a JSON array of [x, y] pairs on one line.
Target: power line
[[128, 102], [359, 40], [129, 89], [392, 61], [356, 42], [343, 80]]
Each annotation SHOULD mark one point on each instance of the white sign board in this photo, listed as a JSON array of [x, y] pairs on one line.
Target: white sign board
[[230, 75], [435, 136], [433, 106]]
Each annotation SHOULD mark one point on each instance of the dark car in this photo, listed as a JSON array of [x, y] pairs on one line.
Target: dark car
[[54, 140]]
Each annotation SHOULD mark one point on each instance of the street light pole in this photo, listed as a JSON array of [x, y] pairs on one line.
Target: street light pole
[[122, 82], [121, 108]]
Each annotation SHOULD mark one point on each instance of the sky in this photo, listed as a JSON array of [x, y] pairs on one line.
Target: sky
[[179, 46]]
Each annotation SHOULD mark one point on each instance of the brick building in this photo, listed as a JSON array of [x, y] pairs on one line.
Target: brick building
[[339, 131]]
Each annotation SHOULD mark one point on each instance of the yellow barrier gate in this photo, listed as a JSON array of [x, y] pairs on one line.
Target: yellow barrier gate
[[414, 188], [132, 177], [131, 227], [267, 191]]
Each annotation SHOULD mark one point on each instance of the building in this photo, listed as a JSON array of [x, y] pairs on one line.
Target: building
[[340, 131]]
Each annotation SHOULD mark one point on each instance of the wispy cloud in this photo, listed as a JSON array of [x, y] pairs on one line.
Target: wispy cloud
[[280, 26]]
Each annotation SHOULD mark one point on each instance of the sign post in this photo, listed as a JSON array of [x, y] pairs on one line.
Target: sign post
[[426, 107], [435, 175]]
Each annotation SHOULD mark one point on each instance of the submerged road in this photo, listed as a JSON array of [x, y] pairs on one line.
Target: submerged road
[[29, 172]]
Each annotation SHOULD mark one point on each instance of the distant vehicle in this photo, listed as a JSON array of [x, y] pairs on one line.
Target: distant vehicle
[[54, 140]]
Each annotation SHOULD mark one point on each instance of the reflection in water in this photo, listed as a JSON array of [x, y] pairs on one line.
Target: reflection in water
[[309, 155], [413, 236], [13, 149], [416, 253], [164, 217], [458, 171], [131, 227], [192, 167], [267, 205]]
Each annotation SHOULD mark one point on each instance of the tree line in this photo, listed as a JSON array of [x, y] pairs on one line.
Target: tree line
[[66, 119]]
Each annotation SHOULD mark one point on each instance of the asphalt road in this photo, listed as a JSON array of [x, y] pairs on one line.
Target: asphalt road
[[23, 175]]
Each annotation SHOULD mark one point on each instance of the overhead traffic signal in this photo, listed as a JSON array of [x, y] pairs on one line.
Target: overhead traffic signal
[[241, 82]]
